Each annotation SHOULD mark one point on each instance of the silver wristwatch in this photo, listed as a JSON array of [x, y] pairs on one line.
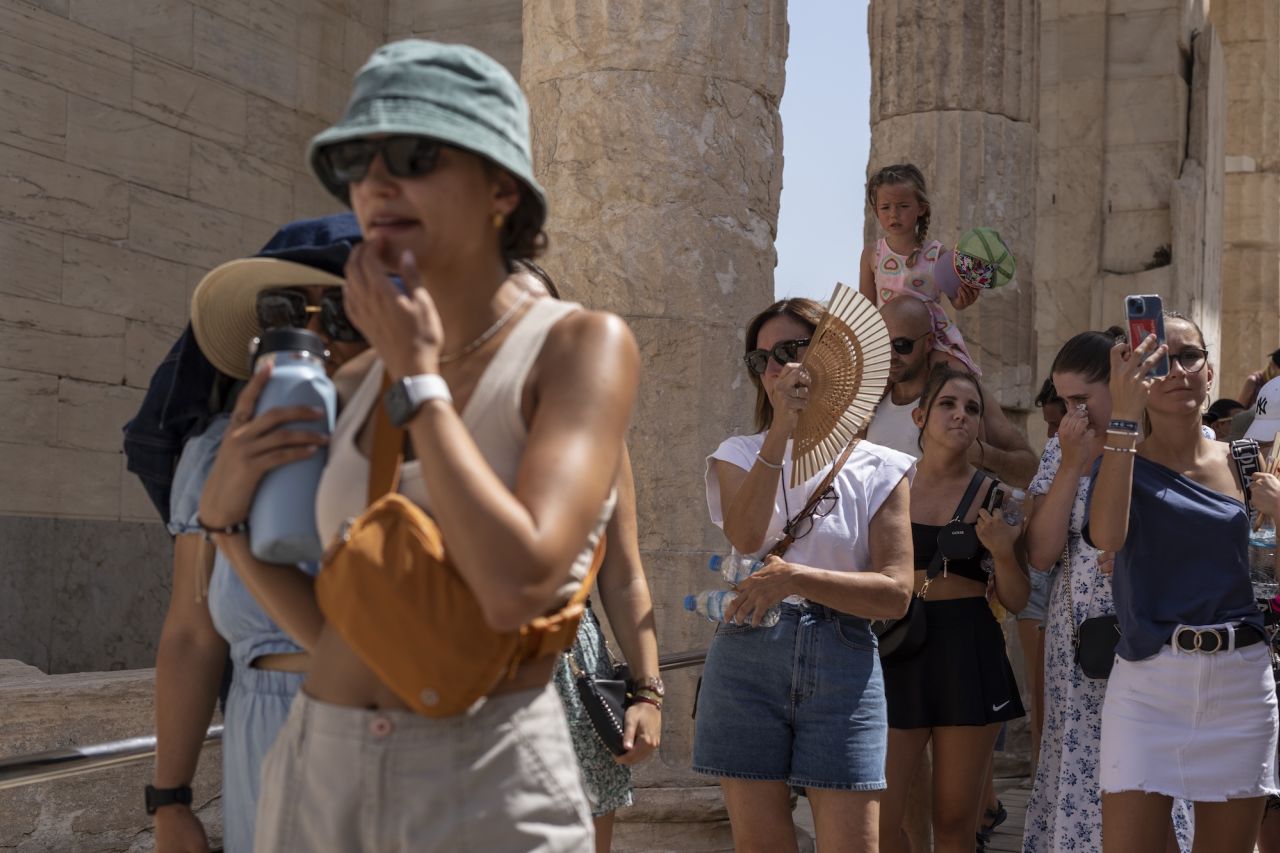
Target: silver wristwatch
[[404, 398]]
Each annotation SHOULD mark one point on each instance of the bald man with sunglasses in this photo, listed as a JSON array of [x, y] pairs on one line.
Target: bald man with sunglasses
[[1000, 448]]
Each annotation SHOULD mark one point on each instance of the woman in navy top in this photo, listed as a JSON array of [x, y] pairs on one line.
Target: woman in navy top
[[1190, 709]]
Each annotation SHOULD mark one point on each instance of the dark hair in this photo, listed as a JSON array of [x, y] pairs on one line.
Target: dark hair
[[541, 275], [522, 235], [1088, 354], [1220, 409], [904, 174], [939, 376], [1275, 359], [1178, 315], [802, 310], [1048, 395]]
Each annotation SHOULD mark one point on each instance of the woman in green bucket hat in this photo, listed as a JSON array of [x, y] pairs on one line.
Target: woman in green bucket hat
[[433, 157]]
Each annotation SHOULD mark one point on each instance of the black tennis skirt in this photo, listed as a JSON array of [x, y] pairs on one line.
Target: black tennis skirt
[[961, 676]]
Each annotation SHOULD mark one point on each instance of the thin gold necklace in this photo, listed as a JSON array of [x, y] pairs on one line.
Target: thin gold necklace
[[487, 333]]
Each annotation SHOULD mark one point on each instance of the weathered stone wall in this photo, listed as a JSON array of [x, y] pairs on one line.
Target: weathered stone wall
[[141, 143], [657, 136], [1250, 33], [954, 90], [493, 26]]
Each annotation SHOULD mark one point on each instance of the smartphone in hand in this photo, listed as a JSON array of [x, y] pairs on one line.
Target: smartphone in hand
[[1144, 315]]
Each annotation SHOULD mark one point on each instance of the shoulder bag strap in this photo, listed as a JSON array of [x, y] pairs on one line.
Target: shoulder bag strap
[[388, 448], [785, 542], [962, 509], [1244, 458]]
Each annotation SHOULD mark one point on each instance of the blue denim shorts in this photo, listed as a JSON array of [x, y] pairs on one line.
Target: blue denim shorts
[[1038, 601], [802, 703]]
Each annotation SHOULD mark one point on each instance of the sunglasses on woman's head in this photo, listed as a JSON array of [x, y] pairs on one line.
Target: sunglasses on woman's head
[[405, 156], [280, 308], [783, 352], [904, 346]]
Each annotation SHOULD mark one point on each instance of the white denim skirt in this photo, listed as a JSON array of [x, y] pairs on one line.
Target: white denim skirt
[[1199, 727]]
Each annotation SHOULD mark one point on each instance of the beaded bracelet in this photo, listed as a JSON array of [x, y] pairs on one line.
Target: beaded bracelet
[[229, 530], [766, 463], [1120, 449], [1124, 433], [1121, 423], [648, 700]]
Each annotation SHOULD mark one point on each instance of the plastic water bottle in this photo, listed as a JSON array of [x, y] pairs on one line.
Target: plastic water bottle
[[282, 521], [734, 568], [1013, 507], [1262, 559], [712, 602]]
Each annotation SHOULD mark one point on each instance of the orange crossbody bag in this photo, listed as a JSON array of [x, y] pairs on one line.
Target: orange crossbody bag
[[389, 589]]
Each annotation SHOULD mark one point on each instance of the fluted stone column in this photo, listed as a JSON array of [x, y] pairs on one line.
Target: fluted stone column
[[954, 90], [1250, 34], [657, 135]]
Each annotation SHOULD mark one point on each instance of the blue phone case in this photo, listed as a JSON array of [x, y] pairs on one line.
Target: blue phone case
[[1144, 315]]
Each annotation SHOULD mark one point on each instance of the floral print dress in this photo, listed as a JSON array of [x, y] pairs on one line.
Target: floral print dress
[[1065, 809]]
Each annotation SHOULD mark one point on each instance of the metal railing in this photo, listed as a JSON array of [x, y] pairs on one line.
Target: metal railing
[[77, 760]]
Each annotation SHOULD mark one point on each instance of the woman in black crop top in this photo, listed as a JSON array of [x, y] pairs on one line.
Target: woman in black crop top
[[959, 687]]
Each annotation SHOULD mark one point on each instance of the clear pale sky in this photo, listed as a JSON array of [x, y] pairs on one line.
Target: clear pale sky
[[826, 135]]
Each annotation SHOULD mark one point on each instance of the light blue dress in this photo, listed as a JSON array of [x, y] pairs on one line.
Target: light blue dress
[[259, 699]]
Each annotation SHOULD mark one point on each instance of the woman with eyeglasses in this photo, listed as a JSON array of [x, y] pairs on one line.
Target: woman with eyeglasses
[[801, 704], [212, 618], [1190, 708], [514, 410], [958, 688]]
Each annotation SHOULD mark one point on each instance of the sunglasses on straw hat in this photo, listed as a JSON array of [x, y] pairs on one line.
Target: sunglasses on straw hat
[[280, 308]]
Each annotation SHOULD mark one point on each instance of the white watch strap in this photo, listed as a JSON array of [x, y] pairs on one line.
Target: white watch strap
[[427, 386]]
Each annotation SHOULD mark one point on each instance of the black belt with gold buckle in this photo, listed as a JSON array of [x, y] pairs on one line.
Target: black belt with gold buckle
[[1210, 640]]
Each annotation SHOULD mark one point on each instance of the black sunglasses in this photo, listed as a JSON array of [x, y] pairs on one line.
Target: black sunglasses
[[904, 346], [783, 352], [406, 157], [279, 308], [802, 525]]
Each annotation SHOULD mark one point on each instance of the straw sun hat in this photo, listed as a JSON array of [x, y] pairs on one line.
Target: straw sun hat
[[224, 315]]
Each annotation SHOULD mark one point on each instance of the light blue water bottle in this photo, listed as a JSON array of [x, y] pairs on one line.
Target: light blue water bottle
[[712, 602], [282, 521], [735, 568]]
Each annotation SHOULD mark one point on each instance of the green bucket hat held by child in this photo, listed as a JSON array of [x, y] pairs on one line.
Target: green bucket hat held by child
[[447, 92]]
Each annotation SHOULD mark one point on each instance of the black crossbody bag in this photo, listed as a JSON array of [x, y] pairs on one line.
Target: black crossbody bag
[[899, 639]]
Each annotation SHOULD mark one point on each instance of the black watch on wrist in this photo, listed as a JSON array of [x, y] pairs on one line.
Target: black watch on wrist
[[158, 797]]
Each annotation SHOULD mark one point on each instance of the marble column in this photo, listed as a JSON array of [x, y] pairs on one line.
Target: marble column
[[1250, 35], [954, 90], [657, 135]]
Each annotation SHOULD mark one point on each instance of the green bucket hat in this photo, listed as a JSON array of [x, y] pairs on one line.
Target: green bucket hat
[[449, 92]]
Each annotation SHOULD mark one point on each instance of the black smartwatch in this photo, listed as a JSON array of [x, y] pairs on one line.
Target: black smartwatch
[[158, 797]]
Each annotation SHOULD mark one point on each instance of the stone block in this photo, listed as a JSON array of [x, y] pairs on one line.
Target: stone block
[[1253, 71], [1082, 48], [98, 811], [33, 115], [32, 261], [1245, 20], [146, 345], [51, 194], [1139, 176], [28, 407], [493, 26], [91, 414], [59, 481], [278, 20], [184, 231], [245, 58], [55, 339], [162, 27], [190, 102], [322, 36], [135, 505], [312, 199], [116, 280], [1080, 114], [227, 179], [128, 145], [1131, 238], [1250, 311], [1144, 44], [279, 135], [323, 89], [1078, 190], [57, 7], [49, 48], [1146, 110], [358, 45], [1128, 7], [1253, 210]]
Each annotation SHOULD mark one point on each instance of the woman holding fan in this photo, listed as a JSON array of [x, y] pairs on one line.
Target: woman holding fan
[[775, 700]]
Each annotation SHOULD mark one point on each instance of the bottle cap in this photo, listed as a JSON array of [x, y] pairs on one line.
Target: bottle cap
[[1017, 494], [290, 340], [715, 562], [690, 603]]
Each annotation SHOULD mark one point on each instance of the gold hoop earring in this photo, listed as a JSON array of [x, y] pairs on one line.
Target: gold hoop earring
[[498, 219]]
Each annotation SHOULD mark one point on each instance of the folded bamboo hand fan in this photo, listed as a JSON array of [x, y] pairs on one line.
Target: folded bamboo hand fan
[[848, 364]]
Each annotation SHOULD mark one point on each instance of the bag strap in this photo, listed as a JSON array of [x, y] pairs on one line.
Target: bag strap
[[1245, 459], [816, 495], [962, 509], [388, 448]]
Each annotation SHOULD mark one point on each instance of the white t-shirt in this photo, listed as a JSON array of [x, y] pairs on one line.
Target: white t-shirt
[[839, 540], [891, 426]]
